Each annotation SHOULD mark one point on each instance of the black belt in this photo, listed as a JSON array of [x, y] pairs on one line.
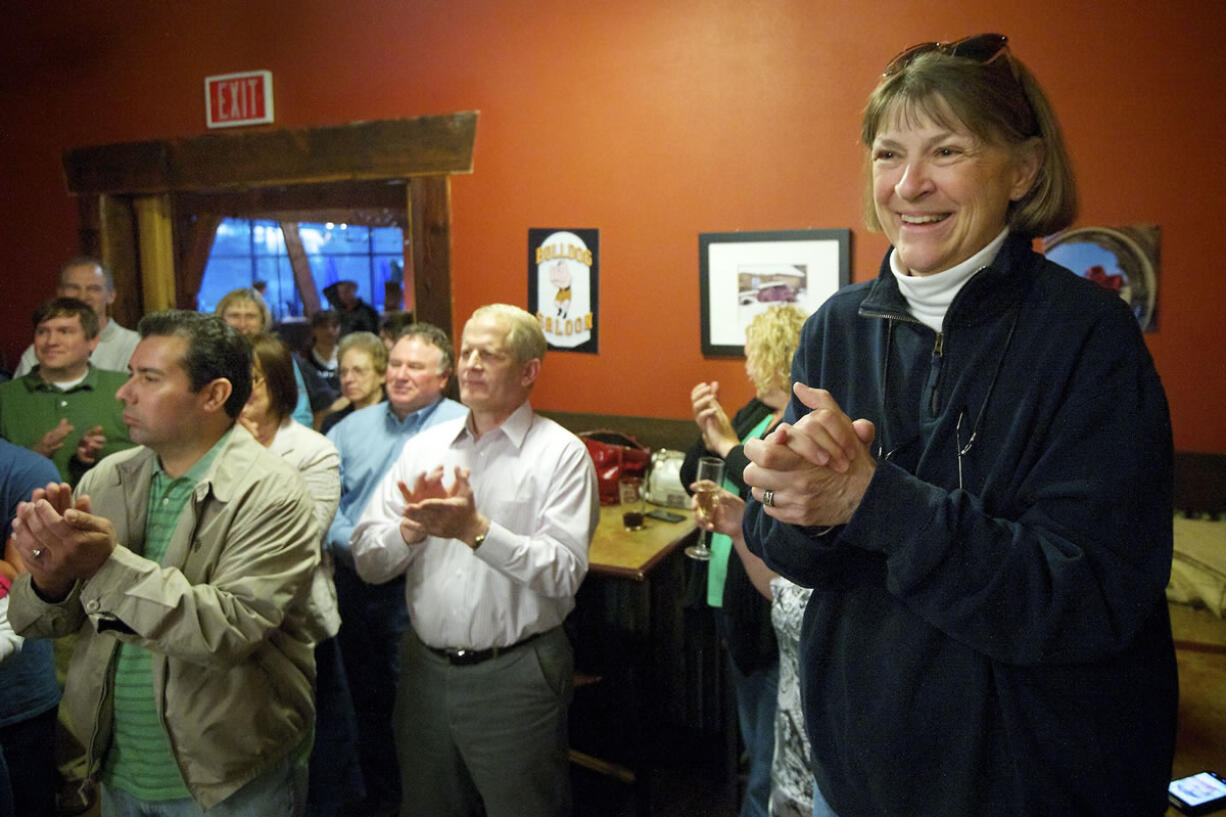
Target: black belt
[[463, 657]]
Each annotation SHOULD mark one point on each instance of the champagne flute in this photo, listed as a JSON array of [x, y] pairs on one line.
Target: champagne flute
[[707, 486]]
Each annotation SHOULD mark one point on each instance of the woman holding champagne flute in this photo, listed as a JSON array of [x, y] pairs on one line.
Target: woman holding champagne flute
[[742, 615]]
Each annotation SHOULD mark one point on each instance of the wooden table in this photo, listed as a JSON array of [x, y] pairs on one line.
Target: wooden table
[[618, 619], [631, 554]]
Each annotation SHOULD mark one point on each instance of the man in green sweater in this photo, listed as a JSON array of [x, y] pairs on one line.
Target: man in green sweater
[[65, 409]]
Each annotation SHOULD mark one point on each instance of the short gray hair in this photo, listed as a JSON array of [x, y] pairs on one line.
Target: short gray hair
[[367, 342], [434, 336], [89, 261]]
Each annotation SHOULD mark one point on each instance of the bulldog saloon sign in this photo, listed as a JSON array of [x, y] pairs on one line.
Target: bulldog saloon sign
[[563, 267], [238, 99]]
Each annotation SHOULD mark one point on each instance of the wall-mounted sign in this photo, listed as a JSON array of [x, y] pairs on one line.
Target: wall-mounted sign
[[238, 99], [563, 276]]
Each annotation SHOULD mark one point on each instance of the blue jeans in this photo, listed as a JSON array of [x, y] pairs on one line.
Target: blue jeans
[[30, 751], [335, 775], [279, 792], [375, 619], [756, 698]]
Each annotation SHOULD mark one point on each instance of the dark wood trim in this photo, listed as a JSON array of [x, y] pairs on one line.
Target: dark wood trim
[[1200, 646], [89, 229], [371, 204], [301, 267], [428, 255], [1200, 483], [283, 175], [194, 233], [117, 246], [383, 149]]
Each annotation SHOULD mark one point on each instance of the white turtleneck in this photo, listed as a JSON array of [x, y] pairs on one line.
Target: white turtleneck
[[929, 296]]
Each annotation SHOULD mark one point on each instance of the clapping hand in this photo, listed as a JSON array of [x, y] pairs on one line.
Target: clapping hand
[[59, 541], [432, 509], [817, 469], [53, 439], [89, 446]]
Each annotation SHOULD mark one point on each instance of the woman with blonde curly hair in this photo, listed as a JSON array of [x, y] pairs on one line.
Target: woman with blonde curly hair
[[742, 614]]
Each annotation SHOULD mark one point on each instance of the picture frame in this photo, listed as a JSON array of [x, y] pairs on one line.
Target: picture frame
[[1123, 260], [742, 274]]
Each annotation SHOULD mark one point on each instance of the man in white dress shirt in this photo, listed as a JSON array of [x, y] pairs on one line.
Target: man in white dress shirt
[[489, 518], [90, 280]]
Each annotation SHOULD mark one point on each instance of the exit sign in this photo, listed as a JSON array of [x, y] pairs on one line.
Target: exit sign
[[238, 99]]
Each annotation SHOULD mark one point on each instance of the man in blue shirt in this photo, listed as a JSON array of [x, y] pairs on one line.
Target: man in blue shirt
[[28, 705], [374, 616]]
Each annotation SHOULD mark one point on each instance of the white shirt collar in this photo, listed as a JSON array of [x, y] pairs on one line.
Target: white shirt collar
[[515, 427]]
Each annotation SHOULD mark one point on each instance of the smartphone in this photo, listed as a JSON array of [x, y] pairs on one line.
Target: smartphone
[[665, 516], [1198, 794]]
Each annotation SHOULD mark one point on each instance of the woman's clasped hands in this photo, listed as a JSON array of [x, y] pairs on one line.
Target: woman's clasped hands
[[817, 469]]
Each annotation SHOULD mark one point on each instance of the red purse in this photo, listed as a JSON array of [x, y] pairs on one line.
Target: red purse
[[615, 455]]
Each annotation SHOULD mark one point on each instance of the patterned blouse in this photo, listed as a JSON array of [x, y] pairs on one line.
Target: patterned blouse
[[791, 777]]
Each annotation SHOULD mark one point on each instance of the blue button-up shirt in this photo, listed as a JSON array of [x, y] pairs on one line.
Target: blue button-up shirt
[[369, 441]]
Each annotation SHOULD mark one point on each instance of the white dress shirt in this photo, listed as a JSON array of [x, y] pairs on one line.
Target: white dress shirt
[[535, 482]]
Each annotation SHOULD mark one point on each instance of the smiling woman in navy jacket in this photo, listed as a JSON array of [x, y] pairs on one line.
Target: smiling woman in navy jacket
[[990, 539]]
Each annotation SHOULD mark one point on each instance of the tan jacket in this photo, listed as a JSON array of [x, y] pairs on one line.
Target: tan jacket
[[232, 665]]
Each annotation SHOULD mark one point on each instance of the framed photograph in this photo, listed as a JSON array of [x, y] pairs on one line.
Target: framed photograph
[[742, 274]]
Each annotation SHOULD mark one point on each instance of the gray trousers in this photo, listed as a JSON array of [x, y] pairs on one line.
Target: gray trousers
[[490, 738]]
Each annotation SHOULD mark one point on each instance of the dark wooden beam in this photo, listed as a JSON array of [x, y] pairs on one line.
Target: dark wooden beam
[[371, 204], [301, 266], [89, 228], [118, 247], [385, 149], [429, 249], [194, 234]]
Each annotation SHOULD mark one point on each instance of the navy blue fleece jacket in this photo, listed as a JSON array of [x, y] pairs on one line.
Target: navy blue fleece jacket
[[1003, 647]]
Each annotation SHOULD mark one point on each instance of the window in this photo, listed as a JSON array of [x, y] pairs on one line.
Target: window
[[247, 251]]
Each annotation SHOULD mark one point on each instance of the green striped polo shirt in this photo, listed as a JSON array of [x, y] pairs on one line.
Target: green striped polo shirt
[[140, 760]]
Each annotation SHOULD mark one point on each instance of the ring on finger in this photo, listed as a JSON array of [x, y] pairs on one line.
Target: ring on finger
[[768, 498]]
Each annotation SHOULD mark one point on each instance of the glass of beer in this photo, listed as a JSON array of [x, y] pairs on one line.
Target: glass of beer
[[710, 480]]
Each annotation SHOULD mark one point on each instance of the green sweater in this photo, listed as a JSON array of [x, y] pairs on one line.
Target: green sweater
[[30, 407]]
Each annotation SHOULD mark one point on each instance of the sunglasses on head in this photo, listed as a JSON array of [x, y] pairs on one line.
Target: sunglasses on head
[[982, 48]]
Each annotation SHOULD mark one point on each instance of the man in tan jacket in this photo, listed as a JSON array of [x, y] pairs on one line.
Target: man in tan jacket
[[183, 566]]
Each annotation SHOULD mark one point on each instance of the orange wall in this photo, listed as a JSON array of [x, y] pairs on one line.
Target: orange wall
[[650, 121]]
